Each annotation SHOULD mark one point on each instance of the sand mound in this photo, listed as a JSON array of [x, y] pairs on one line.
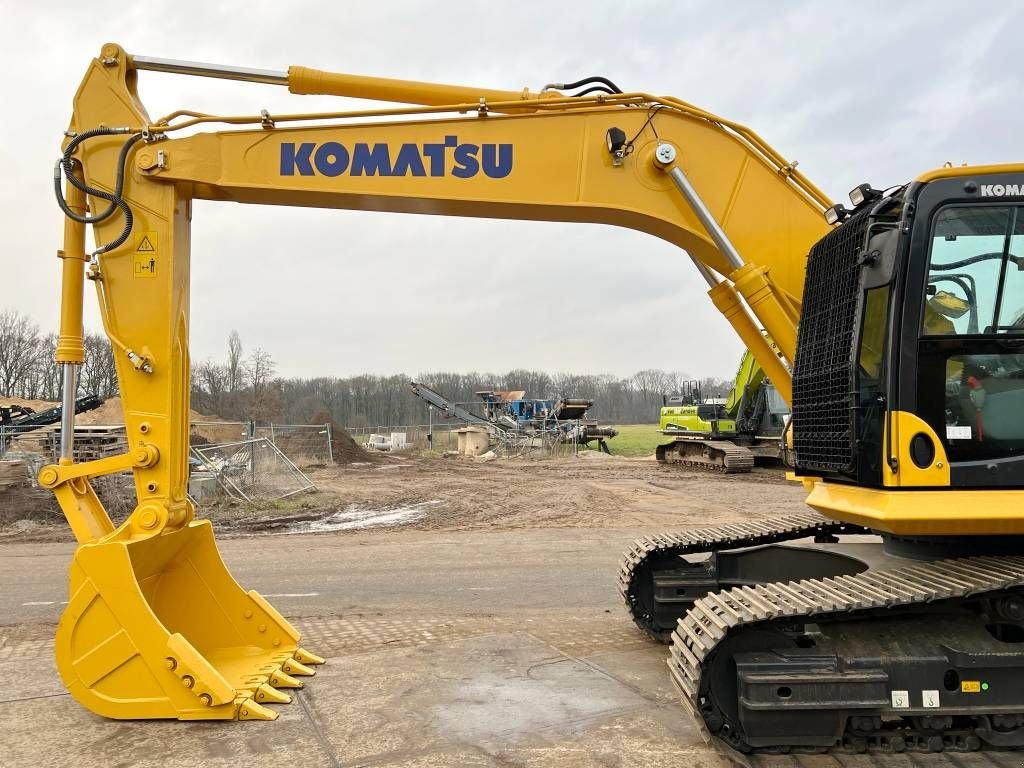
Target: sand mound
[[35, 405], [112, 413]]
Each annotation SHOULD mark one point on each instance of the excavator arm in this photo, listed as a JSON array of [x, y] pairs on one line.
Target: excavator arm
[[748, 378], [156, 626]]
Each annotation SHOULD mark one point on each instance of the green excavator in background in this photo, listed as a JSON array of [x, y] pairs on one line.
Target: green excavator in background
[[730, 436]]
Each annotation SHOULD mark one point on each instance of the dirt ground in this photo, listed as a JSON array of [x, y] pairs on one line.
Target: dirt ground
[[594, 492], [460, 494]]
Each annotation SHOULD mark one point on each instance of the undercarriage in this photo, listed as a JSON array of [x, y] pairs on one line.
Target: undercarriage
[[702, 453], [803, 635]]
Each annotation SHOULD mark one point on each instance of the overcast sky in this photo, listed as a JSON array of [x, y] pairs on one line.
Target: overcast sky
[[858, 92]]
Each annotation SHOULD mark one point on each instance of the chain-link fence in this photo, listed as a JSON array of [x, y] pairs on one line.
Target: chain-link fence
[[307, 445], [25, 450], [252, 470], [438, 437]]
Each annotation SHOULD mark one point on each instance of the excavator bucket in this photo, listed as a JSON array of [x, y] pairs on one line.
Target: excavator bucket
[[156, 627]]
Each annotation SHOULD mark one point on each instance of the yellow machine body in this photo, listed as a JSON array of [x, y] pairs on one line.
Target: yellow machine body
[[156, 626]]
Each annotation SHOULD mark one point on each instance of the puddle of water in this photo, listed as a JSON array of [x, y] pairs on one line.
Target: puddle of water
[[354, 518]]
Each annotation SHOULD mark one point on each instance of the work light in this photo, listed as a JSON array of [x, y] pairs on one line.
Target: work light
[[836, 213], [864, 193]]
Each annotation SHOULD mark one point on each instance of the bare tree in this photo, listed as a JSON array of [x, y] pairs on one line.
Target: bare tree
[[99, 375], [49, 378], [261, 368], [209, 387], [235, 365], [19, 346]]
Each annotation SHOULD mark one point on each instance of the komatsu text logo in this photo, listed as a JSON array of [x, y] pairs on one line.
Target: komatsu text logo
[[331, 158], [1002, 190]]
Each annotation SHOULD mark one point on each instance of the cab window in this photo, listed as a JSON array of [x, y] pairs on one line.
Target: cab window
[[976, 272]]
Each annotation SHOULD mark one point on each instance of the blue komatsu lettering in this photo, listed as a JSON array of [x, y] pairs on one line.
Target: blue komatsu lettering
[[292, 159], [331, 159], [408, 160], [371, 162], [497, 160], [466, 164], [436, 154]]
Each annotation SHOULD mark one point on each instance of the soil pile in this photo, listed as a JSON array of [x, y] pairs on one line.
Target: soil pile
[[112, 413], [108, 414], [344, 449]]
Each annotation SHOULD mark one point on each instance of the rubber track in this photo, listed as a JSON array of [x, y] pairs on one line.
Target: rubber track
[[735, 535], [714, 616]]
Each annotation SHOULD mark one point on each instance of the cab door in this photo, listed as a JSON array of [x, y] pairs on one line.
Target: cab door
[[966, 281]]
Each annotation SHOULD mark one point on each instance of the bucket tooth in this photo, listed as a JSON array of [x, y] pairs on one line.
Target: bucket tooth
[[266, 694], [293, 667], [250, 710], [303, 656], [281, 679]]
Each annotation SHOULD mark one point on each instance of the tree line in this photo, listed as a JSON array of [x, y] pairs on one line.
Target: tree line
[[27, 368], [244, 386]]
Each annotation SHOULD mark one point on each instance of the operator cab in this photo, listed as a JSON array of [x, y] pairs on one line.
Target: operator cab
[[915, 304]]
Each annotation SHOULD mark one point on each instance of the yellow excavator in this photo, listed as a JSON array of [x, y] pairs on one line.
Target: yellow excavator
[[889, 617]]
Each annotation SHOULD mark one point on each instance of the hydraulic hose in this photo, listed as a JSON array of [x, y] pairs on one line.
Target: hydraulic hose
[[593, 89], [66, 165], [604, 85], [590, 80]]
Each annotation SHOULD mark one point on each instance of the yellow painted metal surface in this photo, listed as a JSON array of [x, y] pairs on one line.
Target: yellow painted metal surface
[[961, 171], [70, 338], [156, 627], [905, 426], [304, 80], [727, 301], [921, 512], [560, 171]]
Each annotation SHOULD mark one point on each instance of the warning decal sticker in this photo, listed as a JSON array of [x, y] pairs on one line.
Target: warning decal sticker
[[144, 261]]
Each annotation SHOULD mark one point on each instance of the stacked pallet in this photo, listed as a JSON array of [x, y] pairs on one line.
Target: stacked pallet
[[93, 442]]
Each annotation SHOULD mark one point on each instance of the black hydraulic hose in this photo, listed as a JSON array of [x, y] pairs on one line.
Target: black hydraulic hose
[[590, 81], [593, 89], [66, 164]]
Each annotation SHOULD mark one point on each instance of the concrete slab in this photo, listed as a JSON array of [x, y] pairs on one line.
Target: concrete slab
[[440, 699]]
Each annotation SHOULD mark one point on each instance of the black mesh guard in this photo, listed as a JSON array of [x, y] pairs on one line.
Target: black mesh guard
[[823, 373]]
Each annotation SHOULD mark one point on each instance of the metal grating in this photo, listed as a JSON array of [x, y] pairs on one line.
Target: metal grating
[[823, 374]]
